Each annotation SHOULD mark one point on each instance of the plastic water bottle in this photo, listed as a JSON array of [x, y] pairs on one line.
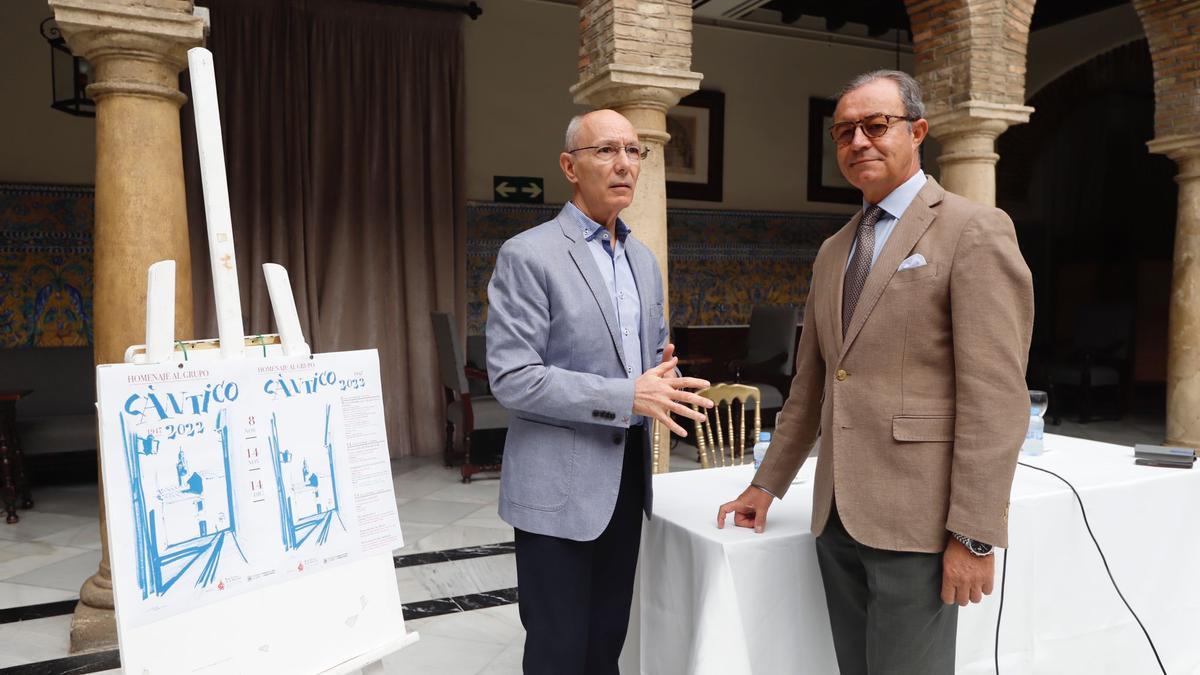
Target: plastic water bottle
[[760, 448], [1034, 444]]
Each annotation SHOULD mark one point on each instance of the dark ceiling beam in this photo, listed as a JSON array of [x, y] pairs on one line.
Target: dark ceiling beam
[[834, 23], [790, 14], [835, 14], [471, 9]]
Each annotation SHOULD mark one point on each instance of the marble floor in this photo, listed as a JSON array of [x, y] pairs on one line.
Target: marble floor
[[456, 574]]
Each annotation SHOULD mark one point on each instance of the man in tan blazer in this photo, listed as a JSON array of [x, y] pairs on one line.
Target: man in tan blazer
[[911, 368]]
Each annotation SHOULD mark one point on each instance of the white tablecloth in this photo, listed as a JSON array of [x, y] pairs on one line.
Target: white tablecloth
[[730, 601]]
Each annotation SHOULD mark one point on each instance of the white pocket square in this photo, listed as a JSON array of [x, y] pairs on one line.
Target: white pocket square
[[914, 260]]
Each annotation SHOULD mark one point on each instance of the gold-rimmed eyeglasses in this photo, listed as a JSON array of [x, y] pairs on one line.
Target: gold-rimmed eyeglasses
[[607, 153], [873, 126]]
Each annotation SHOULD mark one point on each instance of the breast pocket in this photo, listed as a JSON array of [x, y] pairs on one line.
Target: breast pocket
[[926, 271], [539, 464]]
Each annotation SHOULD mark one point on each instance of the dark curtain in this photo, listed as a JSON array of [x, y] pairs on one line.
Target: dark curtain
[[343, 137]]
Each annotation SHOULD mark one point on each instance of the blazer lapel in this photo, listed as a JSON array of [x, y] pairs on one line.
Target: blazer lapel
[[912, 226], [591, 274]]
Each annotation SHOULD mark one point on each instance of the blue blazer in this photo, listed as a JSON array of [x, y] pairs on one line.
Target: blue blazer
[[556, 362]]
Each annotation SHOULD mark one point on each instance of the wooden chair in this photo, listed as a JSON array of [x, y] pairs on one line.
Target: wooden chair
[[466, 413], [721, 435], [660, 439]]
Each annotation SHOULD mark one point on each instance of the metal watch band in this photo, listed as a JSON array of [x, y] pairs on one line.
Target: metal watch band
[[756, 485], [977, 548]]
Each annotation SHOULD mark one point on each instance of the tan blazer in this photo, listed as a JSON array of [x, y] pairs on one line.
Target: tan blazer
[[922, 408]]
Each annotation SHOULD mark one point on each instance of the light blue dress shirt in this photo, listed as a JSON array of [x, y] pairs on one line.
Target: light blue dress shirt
[[894, 205], [622, 289]]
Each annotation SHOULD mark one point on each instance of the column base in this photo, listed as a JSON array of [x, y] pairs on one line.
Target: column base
[[94, 626]]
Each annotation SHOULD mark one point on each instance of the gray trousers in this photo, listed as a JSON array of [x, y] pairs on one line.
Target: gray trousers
[[885, 607]]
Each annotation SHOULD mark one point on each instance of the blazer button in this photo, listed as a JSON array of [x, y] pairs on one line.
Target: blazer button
[[841, 375], [618, 439]]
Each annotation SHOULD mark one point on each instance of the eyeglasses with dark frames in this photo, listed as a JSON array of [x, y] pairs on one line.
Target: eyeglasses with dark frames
[[873, 126], [608, 153]]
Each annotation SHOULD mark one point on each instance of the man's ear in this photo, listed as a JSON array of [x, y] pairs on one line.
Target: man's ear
[[920, 129], [566, 162]]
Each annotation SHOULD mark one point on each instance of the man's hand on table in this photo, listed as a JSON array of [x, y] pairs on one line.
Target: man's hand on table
[[749, 509], [966, 577], [657, 393]]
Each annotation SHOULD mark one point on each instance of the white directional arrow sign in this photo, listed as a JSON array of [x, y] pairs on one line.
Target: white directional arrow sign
[[505, 190]]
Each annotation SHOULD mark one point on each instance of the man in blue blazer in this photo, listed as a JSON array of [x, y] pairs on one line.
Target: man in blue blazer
[[577, 351]]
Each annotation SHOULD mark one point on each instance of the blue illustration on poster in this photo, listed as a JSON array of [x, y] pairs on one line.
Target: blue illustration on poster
[[183, 504], [306, 485]]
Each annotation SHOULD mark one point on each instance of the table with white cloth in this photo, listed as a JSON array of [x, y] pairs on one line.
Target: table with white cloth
[[730, 601]]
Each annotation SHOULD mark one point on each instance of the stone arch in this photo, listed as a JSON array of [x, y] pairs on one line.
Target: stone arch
[[1171, 27], [1067, 178]]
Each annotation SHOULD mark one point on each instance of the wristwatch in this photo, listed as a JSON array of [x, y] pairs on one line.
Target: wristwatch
[[977, 548]]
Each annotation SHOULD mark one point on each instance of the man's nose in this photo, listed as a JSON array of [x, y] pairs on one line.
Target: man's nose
[[860, 140]]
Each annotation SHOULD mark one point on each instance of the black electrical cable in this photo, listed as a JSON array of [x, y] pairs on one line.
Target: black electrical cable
[[1003, 575], [1004, 571]]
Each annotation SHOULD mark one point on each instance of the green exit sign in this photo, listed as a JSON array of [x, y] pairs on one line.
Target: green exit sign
[[520, 189]]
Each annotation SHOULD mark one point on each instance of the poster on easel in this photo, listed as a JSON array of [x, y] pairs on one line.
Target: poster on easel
[[241, 474], [251, 515]]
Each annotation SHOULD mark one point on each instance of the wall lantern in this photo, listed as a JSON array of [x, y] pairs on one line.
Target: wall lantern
[[69, 75]]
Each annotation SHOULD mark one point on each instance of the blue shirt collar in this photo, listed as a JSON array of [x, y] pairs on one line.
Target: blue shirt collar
[[591, 228], [897, 202]]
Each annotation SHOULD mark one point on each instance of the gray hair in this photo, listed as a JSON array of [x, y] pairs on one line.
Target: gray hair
[[910, 90], [573, 132]]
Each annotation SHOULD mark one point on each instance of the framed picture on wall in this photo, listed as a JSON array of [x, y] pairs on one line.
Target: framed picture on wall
[[825, 180], [694, 157]]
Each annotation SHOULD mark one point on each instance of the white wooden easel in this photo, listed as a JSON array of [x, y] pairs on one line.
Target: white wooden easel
[[359, 593]]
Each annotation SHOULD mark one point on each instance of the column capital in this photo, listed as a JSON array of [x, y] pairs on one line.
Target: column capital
[[136, 49], [617, 84], [979, 117], [1184, 149], [626, 87]]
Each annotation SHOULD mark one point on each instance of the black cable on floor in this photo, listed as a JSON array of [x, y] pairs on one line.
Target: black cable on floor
[[1104, 560]]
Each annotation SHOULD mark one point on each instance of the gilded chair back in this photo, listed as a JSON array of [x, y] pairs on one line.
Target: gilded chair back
[[723, 436], [660, 447]]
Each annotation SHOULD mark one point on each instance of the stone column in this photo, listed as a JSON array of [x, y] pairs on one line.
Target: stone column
[[636, 58], [1171, 27], [137, 50], [968, 134], [1183, 329], [970, 60]]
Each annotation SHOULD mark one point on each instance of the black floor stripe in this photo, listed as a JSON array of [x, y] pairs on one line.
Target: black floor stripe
[[459, 603], [452, 554], [30, 612], [80, 664]]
